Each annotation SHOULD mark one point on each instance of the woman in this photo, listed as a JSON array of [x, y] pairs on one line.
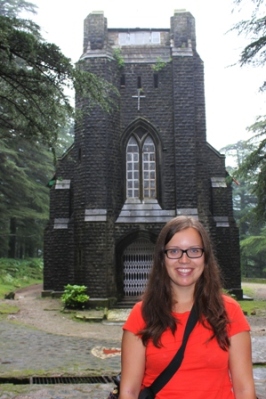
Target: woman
[[217, 362]]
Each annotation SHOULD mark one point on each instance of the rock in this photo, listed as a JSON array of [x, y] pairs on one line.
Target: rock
[[10, 295]]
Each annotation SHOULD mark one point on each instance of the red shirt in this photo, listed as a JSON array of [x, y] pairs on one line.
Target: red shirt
[[204, 371]]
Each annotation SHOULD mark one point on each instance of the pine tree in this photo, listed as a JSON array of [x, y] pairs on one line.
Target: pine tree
[[25, 170], [34, 109], [34, 76], [252, 231], [255, 54]]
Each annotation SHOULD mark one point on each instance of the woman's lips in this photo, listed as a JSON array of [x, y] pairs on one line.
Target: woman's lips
[[184, 271]]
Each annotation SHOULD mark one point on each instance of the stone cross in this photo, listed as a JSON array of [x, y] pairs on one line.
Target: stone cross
[[139, 97]]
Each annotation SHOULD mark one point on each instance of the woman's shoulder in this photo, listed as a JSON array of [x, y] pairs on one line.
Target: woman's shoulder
[[237, 320], [228, 300], [233, 308], [138, 305], [135, 320], [137, 308], [230, 303]]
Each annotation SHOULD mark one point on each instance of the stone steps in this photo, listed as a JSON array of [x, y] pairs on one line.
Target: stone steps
[[127, 302]]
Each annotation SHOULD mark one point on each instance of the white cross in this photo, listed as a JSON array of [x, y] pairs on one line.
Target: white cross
[[139, 97]]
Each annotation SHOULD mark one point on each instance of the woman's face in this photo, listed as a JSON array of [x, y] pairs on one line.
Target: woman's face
[[185, 271]]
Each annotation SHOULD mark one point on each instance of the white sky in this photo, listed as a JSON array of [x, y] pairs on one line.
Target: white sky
[[232, 98]]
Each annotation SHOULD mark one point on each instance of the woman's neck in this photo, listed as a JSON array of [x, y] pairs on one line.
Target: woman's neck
[[183, 300], [182, 307]]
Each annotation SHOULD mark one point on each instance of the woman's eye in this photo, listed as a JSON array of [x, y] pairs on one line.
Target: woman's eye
[[174, 251], [195, 251]]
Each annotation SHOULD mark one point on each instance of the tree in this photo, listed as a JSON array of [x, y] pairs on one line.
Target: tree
[[11, 8], [253, 251], [255, 164], [255, 54], [25, 170], [34, 109], [244, 200], [34, 76], [251, 230], [254, 27]]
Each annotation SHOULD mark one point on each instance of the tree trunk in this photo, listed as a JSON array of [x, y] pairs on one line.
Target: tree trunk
[[12, 238]]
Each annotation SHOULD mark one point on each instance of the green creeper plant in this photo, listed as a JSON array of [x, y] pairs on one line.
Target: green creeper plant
[[117, 54], [160, 64]]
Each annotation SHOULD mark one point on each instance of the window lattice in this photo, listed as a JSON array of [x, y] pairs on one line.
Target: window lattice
[[137, 260]]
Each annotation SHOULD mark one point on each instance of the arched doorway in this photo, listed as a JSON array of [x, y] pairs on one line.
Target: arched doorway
[[137, 262]]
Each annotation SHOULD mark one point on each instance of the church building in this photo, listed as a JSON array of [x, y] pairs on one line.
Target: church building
[[134, 168]]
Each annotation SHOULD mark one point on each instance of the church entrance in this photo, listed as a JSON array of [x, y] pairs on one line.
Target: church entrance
[[137, 262]]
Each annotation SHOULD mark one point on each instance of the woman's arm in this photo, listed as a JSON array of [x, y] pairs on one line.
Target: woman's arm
[[240, 363], [133, 365]]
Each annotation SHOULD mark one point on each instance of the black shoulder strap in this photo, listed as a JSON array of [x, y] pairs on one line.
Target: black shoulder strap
[[175, 363]]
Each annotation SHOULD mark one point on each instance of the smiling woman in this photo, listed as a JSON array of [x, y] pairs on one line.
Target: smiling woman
[[185, 278]]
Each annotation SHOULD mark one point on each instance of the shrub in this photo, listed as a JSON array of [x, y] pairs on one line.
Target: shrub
[[18, 273], [74, 296]]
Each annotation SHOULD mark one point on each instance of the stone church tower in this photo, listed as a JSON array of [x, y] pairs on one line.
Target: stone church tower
[[131, 170]]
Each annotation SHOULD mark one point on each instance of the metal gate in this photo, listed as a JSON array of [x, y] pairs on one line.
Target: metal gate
[[137, 261]]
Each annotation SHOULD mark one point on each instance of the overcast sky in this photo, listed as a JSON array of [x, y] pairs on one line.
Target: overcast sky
[[232, 98]]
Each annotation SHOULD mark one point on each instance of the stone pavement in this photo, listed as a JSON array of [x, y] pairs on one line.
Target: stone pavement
[[25, 351]]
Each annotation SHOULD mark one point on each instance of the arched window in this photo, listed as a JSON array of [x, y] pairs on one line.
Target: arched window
[[141, 168]]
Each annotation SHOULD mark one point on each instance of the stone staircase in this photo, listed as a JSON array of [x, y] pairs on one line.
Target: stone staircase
[[127, 302]]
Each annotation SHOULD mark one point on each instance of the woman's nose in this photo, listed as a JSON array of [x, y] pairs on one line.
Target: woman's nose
[[184, 257]]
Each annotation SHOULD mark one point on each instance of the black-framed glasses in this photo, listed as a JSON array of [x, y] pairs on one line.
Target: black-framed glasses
[[177, 253]]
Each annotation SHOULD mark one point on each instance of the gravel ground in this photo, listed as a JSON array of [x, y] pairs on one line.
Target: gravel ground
[[45, 314], [257, 323]]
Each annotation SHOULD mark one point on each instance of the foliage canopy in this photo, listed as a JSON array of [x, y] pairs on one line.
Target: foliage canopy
[[34, 110], [34, 77], [255, 54]]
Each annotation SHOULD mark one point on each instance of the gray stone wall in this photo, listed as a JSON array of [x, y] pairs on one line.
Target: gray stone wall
[[86, 237]]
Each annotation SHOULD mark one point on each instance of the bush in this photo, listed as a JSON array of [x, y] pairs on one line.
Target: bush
[[74, 296], [18, 273], [16, 268]]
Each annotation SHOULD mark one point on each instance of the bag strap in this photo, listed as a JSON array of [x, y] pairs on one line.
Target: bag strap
[[175, 363]]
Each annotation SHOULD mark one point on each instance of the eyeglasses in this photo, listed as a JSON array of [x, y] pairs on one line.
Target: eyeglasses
[[177, 253]]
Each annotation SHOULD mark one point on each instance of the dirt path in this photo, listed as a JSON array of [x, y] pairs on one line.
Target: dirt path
[[258, 290], [45, 314]]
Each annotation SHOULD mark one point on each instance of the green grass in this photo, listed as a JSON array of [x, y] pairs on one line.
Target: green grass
[[257, 305], [15, 274], [254, 280], [6, 308], [250, 307], [248, 291]]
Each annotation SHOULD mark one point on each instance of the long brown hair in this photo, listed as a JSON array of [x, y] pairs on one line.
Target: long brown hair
[[158, 300]]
